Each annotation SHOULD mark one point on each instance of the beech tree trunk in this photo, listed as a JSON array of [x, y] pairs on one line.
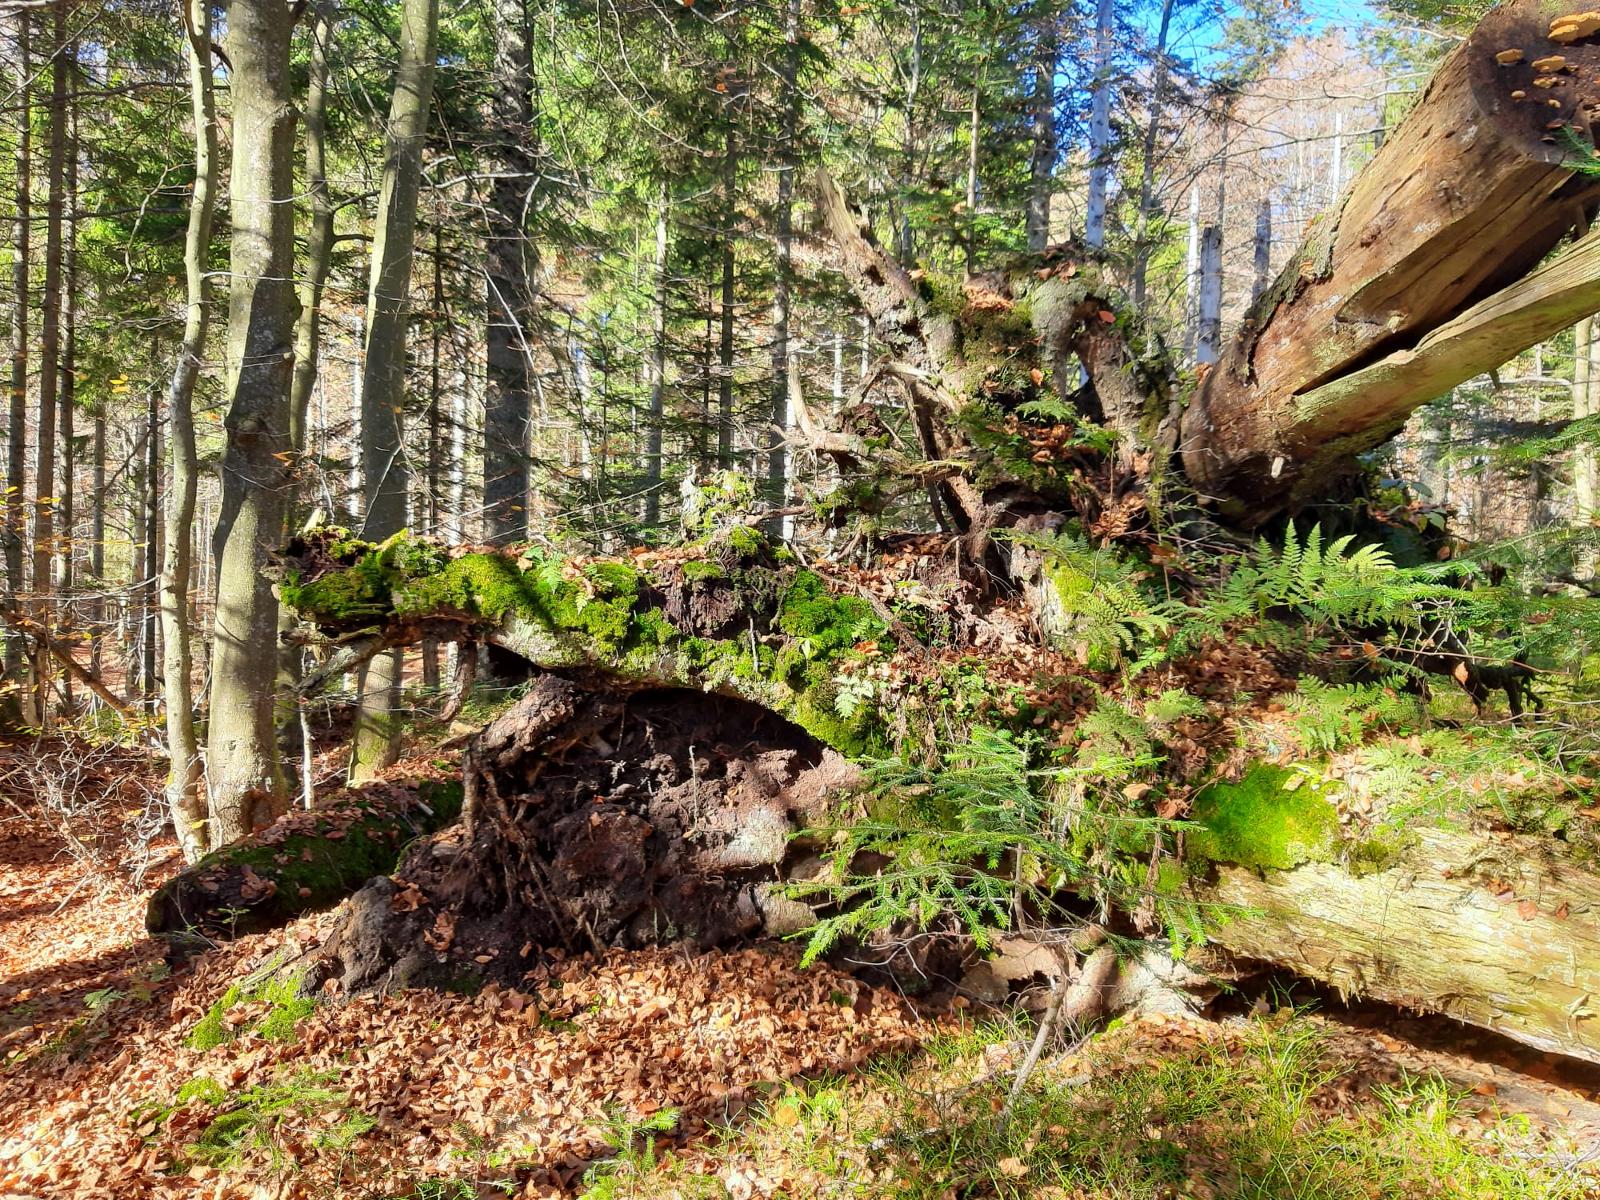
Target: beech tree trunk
[[185, 772], [241, 755]]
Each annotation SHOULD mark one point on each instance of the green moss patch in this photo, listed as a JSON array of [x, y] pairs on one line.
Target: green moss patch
[[1274, 818]]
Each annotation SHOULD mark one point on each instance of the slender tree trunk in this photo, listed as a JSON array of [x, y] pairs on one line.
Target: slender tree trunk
[[974, 138], [508, 400], [185, 773], [67, 391], [433, 475], [1585, 473], [658, 367], [150, 536], [97, 543], [1263, 250], [17, 426], [319, 237], [308, 342], [730, 183], [905, 239], [783, 229], [1100, 124], [1042, 109], [1208, 346], [1191, 276], [46, 497], [241, 757], [1147, 167], [377, 741]]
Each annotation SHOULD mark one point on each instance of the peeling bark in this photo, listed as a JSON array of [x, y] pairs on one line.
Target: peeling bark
[[1463, 200]]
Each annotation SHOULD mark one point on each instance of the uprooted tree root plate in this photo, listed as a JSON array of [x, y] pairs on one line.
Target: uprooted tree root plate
[[596, 819]]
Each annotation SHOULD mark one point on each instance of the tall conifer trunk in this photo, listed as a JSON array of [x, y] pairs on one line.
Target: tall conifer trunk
[[46, 496], [17, 410], [508, 400], [383, 392]]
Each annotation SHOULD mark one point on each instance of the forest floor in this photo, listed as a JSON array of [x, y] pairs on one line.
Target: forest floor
[[677, 1073]]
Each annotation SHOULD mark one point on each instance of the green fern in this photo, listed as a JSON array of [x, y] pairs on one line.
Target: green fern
[[1330, 717]]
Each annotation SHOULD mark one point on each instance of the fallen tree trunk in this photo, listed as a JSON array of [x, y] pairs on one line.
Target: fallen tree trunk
[[1426, 274], [657, 785], [1502, 932], [1478, 184], [641, 815], [303, 862]]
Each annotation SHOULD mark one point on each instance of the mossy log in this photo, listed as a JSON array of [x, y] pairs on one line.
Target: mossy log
[[1494, 929], [304, 862]]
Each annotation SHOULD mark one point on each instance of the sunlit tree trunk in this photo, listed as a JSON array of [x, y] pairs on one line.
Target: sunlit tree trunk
[[186, 799], [777, 465], [1142, 244], [658, 366], [17, 410], [241, 756], [1435, 268], [67, 386], [386, 473], [1100, 124], [725, 344], [308, 333]]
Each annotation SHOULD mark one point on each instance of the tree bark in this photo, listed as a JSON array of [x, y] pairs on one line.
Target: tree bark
[[725, 302], [319, 237], [1389, 303], [17, 412], [241, 758], [186, 800], [1147, 167], [655, 428], [303, 862], [1042, 112], [777, 464], [308, 335], [46, 496], [376, 741], [1094, 232], [508, 400], [67, 386], [1497, 931]]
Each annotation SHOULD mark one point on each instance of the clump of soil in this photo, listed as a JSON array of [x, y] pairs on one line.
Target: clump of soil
[[595, 819]]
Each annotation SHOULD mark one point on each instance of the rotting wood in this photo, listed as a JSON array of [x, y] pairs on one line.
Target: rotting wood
[[1499, 931]]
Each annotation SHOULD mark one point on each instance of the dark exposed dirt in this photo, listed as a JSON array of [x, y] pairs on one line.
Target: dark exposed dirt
[[594, 819]]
